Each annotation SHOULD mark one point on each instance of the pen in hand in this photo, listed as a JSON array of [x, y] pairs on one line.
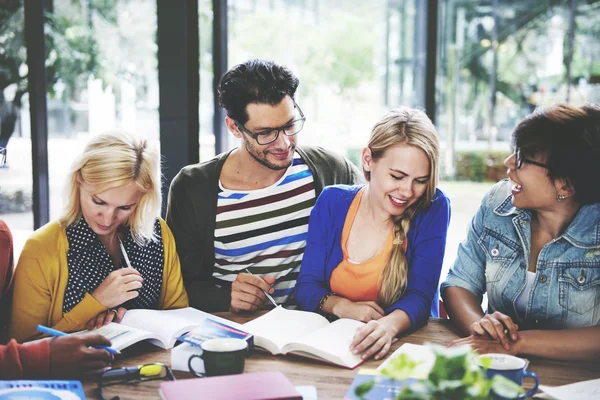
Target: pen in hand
[[266, 294], [57, 333]]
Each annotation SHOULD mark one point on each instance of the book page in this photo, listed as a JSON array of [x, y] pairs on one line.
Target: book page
[[574, 391], [122, 336], [281, 326], [331, 342], [166, 323]]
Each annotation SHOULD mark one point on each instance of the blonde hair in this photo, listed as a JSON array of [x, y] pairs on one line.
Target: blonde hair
[[114, 159], [403, 126]]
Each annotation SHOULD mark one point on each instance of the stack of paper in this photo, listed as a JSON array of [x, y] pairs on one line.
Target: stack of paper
[[586, 390]]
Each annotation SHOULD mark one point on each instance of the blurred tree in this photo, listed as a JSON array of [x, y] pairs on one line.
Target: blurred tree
[[71, 53]]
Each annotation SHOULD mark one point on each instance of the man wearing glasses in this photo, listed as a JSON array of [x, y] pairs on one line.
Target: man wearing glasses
[[240, 220]]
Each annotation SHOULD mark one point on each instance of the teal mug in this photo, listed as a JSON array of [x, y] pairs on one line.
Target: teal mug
[[512, 368], [221, 356]]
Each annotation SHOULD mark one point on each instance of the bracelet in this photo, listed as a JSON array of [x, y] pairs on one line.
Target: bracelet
[[322, 302]]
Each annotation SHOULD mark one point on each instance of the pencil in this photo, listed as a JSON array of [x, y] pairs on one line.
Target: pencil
[[57, 333], [266, 294]]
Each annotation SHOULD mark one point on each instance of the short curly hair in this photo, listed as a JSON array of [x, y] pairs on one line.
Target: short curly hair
[[255, 81], [568, 137]]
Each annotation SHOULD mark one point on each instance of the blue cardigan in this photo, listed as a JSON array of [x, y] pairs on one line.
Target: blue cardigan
[[425, 253]]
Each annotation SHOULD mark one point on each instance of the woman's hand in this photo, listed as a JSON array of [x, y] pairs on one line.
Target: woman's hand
[[497, 326], [106, 317], [364, 311], [118, 287], [484, 345], [375, 338]]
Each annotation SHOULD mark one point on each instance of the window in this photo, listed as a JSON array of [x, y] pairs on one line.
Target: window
[[16, 177], [519, 51], [105, 68]]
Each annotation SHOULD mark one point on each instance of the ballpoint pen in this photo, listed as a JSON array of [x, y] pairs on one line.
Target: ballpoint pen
[[57, 333], [266, 294]]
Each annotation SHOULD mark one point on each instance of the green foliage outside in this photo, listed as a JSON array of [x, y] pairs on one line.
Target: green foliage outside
[[480, 166], [454, 375], [71, 51], [336, 51]]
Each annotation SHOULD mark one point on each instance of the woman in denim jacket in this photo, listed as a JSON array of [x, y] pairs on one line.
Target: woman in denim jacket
[[534, 245]]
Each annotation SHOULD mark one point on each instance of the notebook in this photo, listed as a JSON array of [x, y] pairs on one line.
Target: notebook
[[272, 385], [307, 334]]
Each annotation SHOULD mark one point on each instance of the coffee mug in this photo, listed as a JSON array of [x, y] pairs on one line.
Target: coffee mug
[[222, 356], [513, 368]]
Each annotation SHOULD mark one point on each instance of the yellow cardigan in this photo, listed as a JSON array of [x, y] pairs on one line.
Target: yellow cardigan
[[41, 279]]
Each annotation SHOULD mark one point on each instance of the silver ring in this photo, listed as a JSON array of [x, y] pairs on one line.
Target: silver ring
[[115, 311]]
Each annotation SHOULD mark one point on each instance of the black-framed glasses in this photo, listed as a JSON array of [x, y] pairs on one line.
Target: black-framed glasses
[[521, 160], [133, 375], [270, 135], [2, 156]]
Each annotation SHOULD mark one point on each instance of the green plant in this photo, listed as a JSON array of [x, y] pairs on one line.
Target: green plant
[[480, 166], [455, 375]]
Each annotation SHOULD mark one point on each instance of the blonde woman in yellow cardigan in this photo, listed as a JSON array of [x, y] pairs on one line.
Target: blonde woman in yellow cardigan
[[109, 251]]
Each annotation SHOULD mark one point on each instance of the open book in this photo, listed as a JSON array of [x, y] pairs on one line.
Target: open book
[[307, 334], [161, 327]]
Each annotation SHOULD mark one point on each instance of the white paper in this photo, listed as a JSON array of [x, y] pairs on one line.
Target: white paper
[[417, 352], [585, 390]]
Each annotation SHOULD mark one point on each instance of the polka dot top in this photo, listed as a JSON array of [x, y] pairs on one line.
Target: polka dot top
[[90, 264]]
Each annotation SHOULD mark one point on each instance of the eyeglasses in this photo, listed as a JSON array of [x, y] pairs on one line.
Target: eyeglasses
[[521, 160], [2, 156], [141, 373], [270, 135]]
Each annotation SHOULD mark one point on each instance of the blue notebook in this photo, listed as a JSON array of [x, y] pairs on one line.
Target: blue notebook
[[41, 390]]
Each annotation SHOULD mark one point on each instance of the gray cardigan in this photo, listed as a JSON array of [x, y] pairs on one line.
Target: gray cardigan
[[192, 210]]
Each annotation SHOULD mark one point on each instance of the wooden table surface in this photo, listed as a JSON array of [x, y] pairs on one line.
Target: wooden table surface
[[331, 382]]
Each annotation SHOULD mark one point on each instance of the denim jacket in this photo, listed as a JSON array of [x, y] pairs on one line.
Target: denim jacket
[[494, 258]]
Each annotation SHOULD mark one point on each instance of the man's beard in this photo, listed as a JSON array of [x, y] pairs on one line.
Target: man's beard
[[263, 161]]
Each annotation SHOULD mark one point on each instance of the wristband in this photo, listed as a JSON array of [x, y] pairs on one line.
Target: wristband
[[322, 303]]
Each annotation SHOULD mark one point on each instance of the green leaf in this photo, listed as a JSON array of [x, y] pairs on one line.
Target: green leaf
[[505, 387], [364, 388]]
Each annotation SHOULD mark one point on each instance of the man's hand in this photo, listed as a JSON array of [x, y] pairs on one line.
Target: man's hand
[[72, 356], [364, 311], [106, 317], [497, 326], [247, 292]]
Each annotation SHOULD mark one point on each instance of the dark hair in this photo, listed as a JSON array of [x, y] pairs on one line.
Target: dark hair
[[255, 81], [568, 137]]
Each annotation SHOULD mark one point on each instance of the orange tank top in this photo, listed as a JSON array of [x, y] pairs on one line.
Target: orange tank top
[[358, 281]]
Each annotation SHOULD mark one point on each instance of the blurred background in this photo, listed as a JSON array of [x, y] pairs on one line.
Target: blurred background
[[475, 66]]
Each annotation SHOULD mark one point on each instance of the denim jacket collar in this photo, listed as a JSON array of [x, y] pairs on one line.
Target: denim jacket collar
[[578, 232]]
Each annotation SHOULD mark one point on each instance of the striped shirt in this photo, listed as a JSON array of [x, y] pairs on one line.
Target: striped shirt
[[265, 230]]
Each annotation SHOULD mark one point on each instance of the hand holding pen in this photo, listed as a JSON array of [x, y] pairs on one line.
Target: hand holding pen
[[72, 357], [96, 341], [249, 292]]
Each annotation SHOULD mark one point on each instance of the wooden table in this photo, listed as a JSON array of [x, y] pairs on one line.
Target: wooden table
[[331, 382]]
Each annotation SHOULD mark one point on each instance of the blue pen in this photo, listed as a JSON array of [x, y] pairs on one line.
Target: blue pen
[[54, 332]]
